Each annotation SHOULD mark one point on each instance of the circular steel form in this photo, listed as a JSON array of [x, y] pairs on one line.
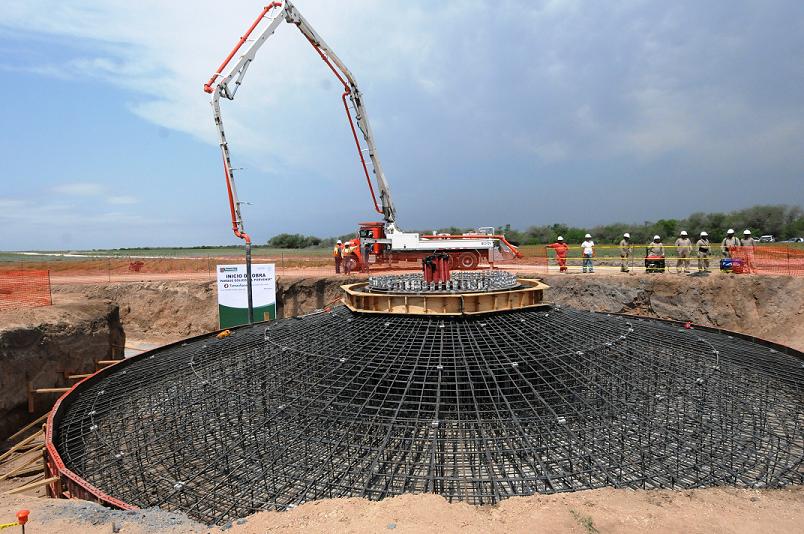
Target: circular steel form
[[462, 282], [476, 409]]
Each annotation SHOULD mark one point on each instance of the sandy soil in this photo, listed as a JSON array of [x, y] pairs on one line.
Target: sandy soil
[[770, 307], [711, 510]]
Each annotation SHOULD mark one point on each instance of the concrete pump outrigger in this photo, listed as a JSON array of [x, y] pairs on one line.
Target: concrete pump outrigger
[[378, 241]]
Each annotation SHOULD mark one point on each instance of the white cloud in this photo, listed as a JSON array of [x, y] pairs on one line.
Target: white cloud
[[79, 189], [122, 199], [164, 51], [90, 189]]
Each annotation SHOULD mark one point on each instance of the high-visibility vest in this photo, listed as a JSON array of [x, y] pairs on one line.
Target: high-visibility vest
[[337, 252]]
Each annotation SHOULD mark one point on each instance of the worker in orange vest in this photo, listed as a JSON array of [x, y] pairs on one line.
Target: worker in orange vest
[[337, 253], [561, 249]]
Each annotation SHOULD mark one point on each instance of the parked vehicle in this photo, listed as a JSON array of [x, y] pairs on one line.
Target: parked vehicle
[[766, 239]]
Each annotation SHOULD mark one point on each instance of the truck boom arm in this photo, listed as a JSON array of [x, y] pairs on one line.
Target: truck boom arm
[[227, 79]]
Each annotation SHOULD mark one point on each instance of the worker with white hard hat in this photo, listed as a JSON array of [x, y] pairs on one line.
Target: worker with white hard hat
[[703, 253], [748, 248], [656, 248], [588, 251], [561, 249], [337, 253], [654, 256], [626, 251], [729, 244], [683, 250]]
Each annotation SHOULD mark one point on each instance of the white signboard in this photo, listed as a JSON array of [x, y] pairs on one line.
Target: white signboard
[[233, 293]]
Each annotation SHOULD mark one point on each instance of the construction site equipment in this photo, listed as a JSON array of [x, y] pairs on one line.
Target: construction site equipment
[[385, 239], [473, 407]]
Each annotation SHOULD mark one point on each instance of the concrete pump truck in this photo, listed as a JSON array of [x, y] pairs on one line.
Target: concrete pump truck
[[377, 242]]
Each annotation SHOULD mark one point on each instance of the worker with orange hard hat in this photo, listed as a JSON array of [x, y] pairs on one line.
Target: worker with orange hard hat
[[561, 249]]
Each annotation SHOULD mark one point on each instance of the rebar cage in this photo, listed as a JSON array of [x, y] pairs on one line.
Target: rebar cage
[[476, 409]]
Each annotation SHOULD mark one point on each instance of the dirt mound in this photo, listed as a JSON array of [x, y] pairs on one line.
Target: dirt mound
[[764, 306], [605, 510], [41, 346], [769, 307], [178, 309], [164, 309]]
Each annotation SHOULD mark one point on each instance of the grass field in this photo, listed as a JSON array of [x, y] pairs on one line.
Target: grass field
[[178, 253]]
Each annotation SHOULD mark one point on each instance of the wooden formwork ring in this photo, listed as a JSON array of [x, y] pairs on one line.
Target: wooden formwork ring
[[529, 294]]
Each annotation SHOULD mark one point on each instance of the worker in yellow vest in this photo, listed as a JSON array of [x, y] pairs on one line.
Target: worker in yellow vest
[[337, 253]]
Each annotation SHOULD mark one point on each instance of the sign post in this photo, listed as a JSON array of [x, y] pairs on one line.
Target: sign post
[[233, 293]]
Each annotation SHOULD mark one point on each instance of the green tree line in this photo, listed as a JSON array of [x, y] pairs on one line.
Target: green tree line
[[783, 222]]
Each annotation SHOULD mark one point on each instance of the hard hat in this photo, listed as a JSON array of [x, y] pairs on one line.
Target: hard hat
[[683, 232], [747, 232], [339, 242], [627, 235], [656, 238], [704, 234], [730, 231], [588, 236], [560, 238]]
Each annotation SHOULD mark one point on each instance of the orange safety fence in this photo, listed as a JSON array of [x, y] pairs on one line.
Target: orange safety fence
[[24, 289], [771, 259]]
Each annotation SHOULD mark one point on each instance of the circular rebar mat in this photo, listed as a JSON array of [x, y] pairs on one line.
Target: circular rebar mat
[[475, 409], [459, 282]]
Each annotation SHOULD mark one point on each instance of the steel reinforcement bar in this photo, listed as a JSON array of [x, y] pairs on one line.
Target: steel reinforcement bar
[[476, 409]]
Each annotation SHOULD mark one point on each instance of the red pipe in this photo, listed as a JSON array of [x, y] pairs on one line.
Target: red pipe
[[208, 85], [235, 228], [359, 151], [347, 91]]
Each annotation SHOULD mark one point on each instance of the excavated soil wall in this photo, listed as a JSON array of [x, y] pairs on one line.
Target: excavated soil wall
[[769, 307], [40, 347]]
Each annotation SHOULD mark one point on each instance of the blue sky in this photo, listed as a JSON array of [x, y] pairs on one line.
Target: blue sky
[[484, 113]]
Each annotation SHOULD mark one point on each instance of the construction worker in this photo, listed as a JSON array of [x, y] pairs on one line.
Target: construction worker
[[588, 250], [654, 256], [748, 246], [683, 250], [347, 251], [703, 252], [626, 251], [366, 253], [729, 244], [337, 253], [748, 240], [561, 249]]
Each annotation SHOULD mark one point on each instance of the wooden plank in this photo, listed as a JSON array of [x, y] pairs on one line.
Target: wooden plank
[[29, 459], [32, 485], [51, 390], [27, 427], [30, 469], [19, 445]]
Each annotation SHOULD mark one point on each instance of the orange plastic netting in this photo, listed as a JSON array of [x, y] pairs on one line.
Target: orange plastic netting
[[24, 289], [771, 259]]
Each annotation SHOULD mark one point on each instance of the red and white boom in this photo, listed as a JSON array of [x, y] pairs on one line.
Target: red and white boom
[[228, 77]]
